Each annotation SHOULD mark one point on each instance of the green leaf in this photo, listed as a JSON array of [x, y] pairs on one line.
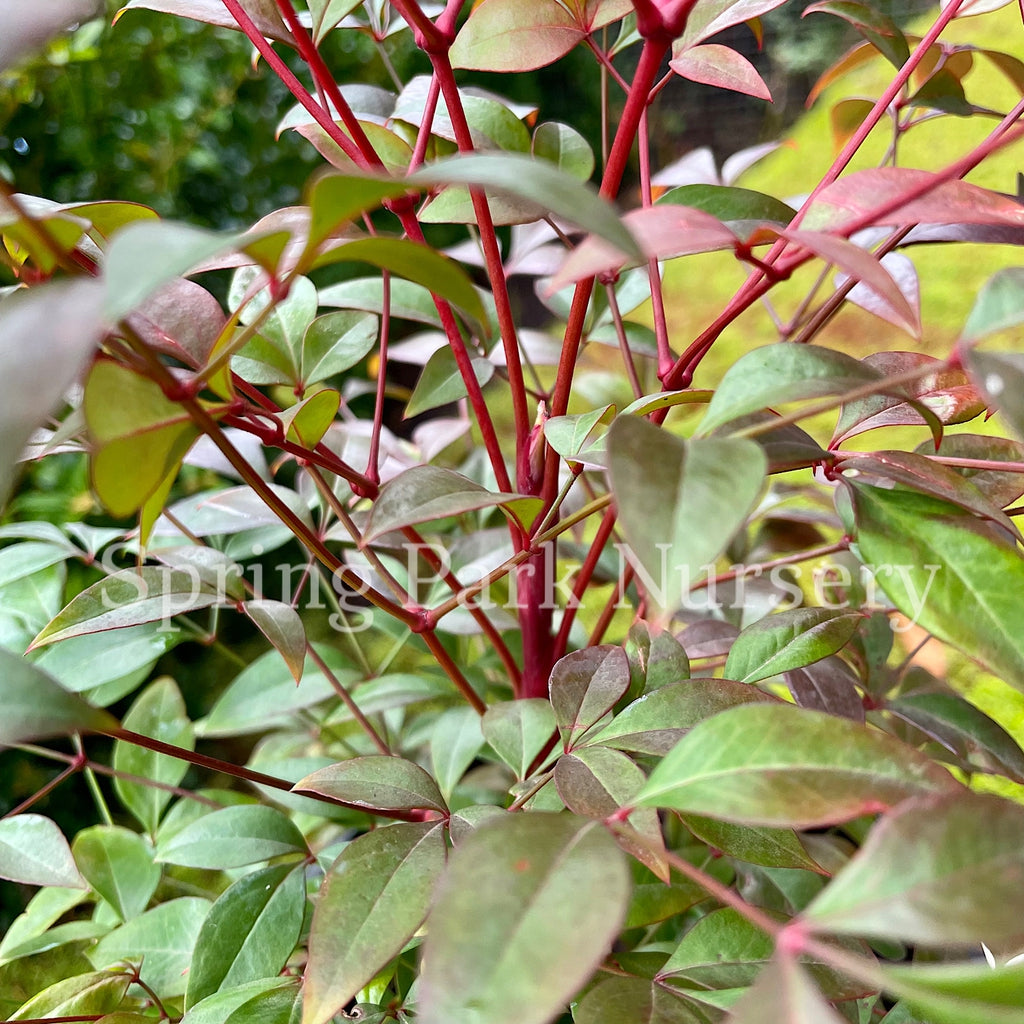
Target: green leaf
[[337, 199], [408, 301], [536, 180], [264, 14], [327, 13], [139, 436], [282, 625], [375, 896], [24, 978], [47, 906], [249, 932], [232, 838], [425, 493], [127, 598], [118, 865], [161, 941], [656, 722], [93, 994], [960, 993], [788, 640], [264, 693], [722, 950], [782, 766], [784, 994], [48, 333], [563, 146], [336, 342], [510, 35], [21, 560], [877, 28], [36, 706], [146, 255], [730, 204], [441, 382], [306, 422], [496, 951], [935, 872], [680, 503], [378, 784], [584, 686], [770, 376], [768, 847], [634, 1001], [33, 851], [947, 572], [595, 782], [158, 711], [238, 999], [998, 306], [417, 263], [962, 729], [97, 659], [518, 731], [455, 741]]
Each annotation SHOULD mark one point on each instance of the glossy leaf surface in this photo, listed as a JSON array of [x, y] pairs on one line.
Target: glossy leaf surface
[[781, 766]]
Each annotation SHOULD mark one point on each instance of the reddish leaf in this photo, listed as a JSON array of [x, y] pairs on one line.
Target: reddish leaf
[[856, 195], [662, 231], [865, 268], [710, 17], [722, 67], [264, 14], [947, 393], [513, 35]]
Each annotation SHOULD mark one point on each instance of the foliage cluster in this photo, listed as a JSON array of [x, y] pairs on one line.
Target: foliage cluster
[[537, 706]]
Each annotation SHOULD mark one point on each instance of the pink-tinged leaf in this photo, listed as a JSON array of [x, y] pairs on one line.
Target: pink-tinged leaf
[[1009, 66], [182, 320], [390, 786], [662, 232], [865, 268], [598, 13], [903, 272], [282, 625], [920, 473], [855, 196], [782, 766], [947, 393], [722, 67], [264, 13], [513, 35], [710, 17]]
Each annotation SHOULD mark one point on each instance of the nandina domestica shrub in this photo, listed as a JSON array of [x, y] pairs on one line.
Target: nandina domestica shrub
[[584, 678]]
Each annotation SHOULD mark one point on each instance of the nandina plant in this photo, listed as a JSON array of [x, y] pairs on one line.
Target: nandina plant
[[625, 687]]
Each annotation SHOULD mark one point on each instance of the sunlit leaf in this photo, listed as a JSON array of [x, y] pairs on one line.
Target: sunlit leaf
[[48, 332], [721, 67], [93, 993], [509, 35], [947, 571]]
